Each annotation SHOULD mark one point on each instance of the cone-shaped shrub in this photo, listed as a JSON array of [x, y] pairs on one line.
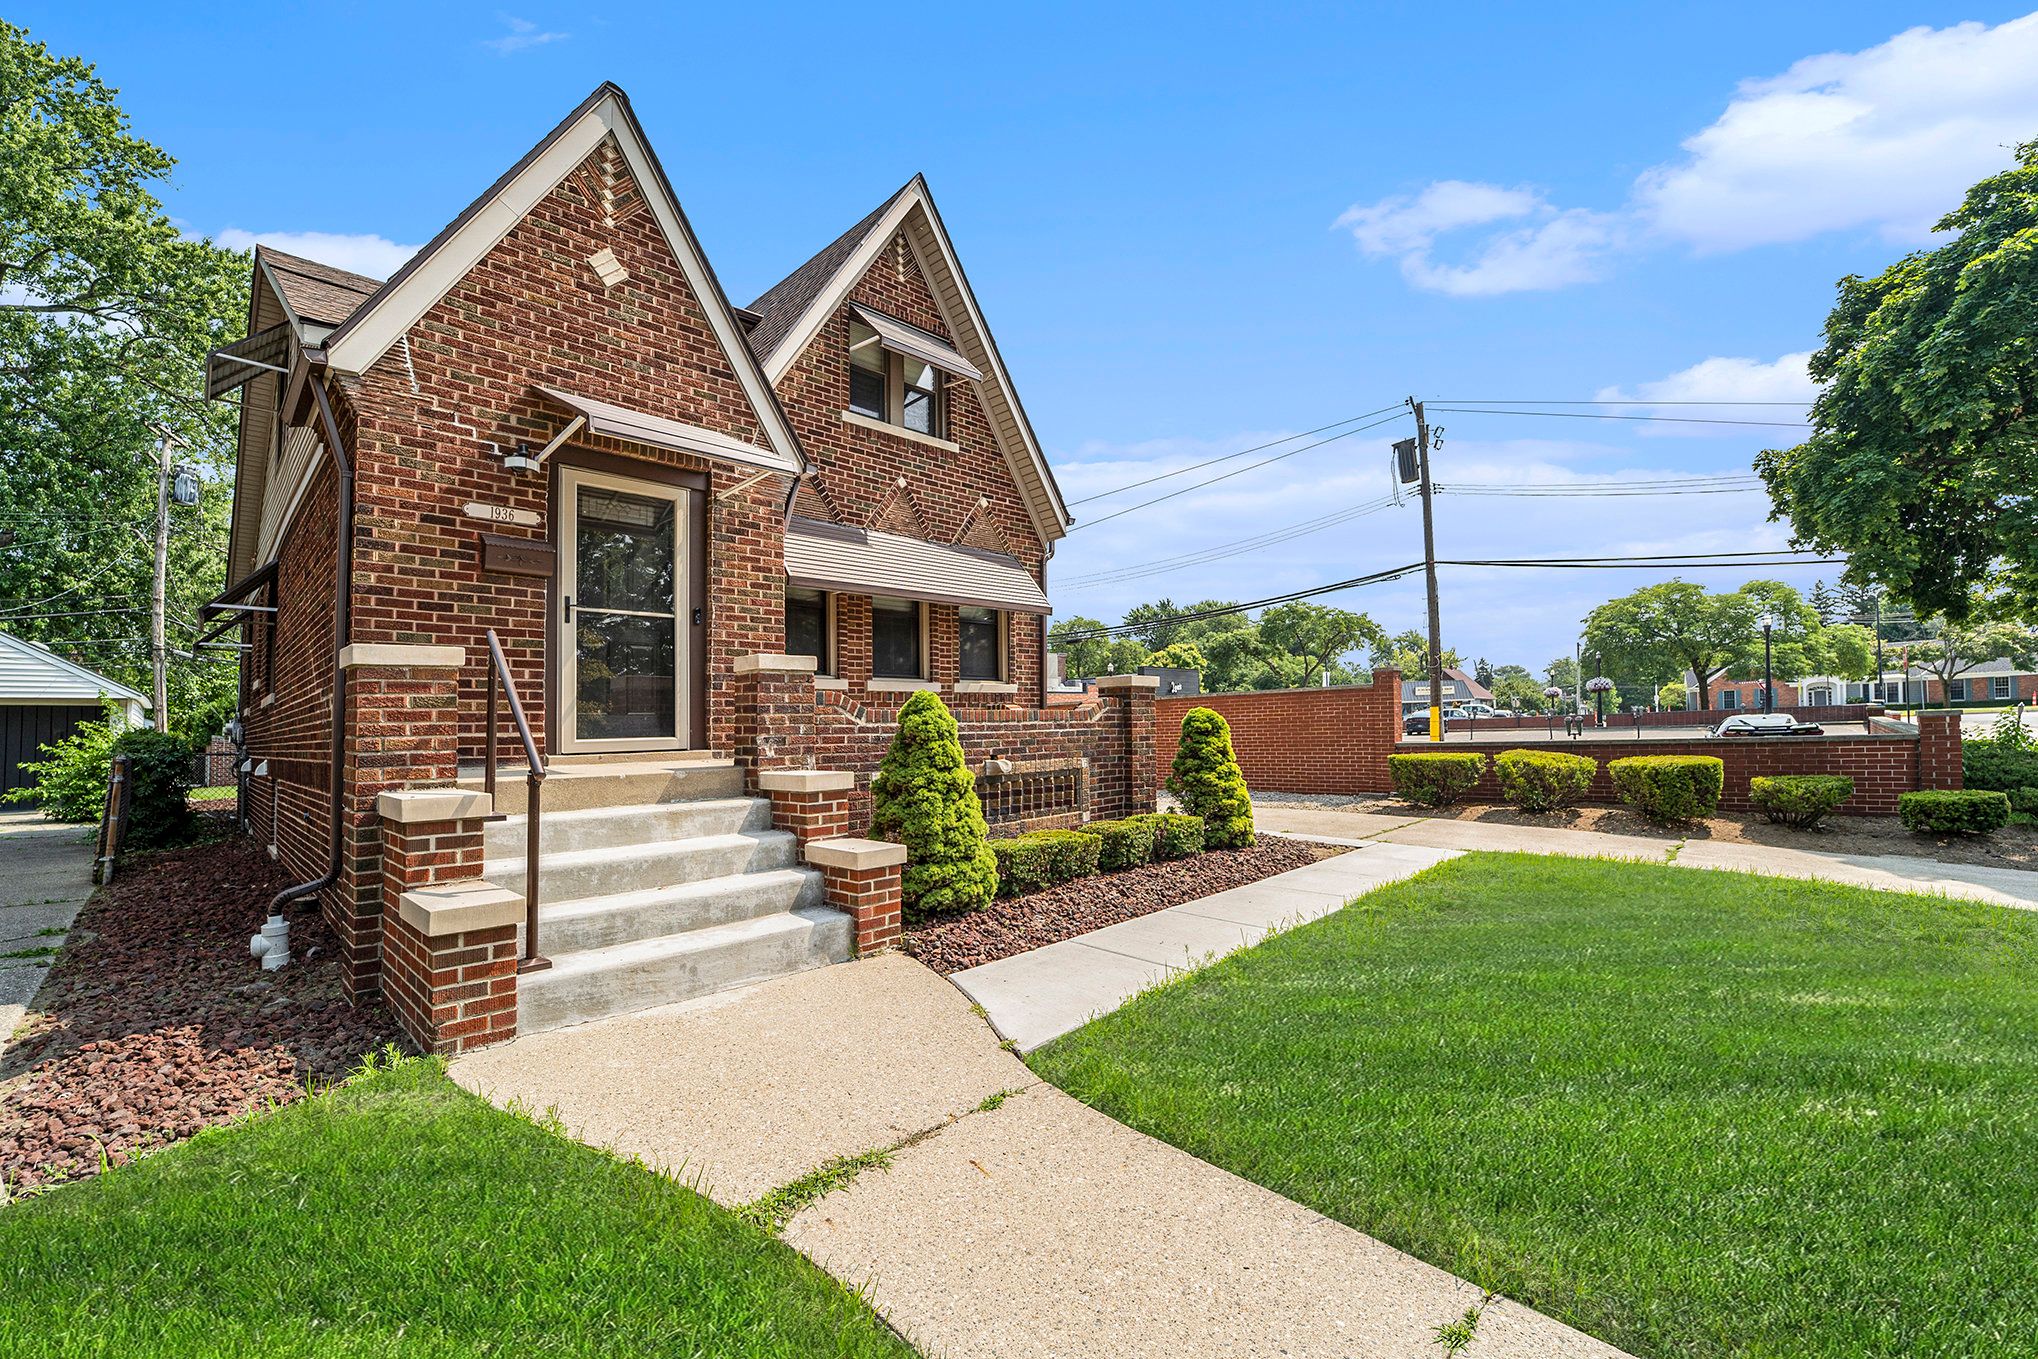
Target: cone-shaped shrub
[[925, 798], [1206, 778]]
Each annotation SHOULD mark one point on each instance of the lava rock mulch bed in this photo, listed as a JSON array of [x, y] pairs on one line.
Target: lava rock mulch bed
[[155, 1022], [951, 943]]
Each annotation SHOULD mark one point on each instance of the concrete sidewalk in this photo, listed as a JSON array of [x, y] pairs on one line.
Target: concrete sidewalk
[[1034, 997], [1011, 1221], [1889, 872], [45, 876]]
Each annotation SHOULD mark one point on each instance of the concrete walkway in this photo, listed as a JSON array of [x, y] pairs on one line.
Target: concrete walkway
[[45, 876], [1022, 1226], [1890, 872], [1034, 997]]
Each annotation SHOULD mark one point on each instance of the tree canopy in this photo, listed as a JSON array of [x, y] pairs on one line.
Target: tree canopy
[[106, 314], [1924, 448]]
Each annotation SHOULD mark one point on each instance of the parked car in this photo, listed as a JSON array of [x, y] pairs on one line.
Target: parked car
[[1766, 724], [1417, 723], [1484, 710]]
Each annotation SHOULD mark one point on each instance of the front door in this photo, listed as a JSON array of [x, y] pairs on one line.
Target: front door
[[621, 601]]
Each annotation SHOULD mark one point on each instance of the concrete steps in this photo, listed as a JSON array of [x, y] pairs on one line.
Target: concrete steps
[[659, 881]]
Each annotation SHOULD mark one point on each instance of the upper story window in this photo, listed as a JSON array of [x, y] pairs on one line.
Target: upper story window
[[1999, 687], [981, 643], [897, 641], [806, 627], [896, 388]]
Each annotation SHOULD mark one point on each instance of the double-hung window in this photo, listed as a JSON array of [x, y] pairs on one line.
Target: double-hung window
[[897, 641], [895, 388], [868, 372], [981, 643], [1957, 691], [1999, 686]]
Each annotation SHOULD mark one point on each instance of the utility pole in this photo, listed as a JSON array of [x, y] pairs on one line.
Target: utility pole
[[1429, 575], [158, 631]]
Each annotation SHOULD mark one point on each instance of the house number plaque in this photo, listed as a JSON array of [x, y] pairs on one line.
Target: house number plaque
[[500, 514]]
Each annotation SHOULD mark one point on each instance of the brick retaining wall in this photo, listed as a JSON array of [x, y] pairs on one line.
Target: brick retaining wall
[[1299, 740]]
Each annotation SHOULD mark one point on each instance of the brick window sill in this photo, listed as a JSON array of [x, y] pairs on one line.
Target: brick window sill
[[985, 687], [902, 686], [899, 431], [831, 683]]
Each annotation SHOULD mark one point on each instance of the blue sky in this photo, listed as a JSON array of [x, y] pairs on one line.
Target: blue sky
[[1196, 228]]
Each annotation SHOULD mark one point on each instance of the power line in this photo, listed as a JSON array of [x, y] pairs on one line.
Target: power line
[[1212, 462], [1601, 415], [1606, 401], [1249, 467], [1239, 547], [1197, 615]]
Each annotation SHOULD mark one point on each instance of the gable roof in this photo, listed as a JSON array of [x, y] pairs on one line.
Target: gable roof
[[386, 315], [795, 309], [314, 292], [29, 671]]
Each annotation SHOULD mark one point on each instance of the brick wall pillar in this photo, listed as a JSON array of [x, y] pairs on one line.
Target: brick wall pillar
[[402, 730], [1127, 773], [863, 879], [449, 939], [1939, 749], [774, 723], [811, 803]]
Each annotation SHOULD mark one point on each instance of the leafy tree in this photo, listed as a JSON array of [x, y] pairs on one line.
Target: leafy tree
[[1562, 672], [1847, 650], [1084, 655], [1826, 603], [1796, 644], [106, 314], [1482, 672], [1925, 442], [1150, 625], [1315, 635], [1661, 630], [1514, 687], [1408, 652], [1179, 656], [924, 797], [1960, 647], [1671, 695]]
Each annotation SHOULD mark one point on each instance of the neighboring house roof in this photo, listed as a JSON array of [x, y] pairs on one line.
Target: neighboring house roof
[[30, 671], [795, 309], [385, 316]]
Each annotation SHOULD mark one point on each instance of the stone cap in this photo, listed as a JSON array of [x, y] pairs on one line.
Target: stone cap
[[457, 907], [852, 853], [411, 805], [805, 780], [772, 662], [403, 655], [1128, 682]]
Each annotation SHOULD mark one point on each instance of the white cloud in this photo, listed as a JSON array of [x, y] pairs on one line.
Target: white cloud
[[1883, 140], [1886, 140], [522, 35], [1720, 379], [1551, 249], [375, 256]]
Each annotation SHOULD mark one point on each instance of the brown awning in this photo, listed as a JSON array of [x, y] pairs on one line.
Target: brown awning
[[898, 336], [640, 427], [823, 556], [234, 365]]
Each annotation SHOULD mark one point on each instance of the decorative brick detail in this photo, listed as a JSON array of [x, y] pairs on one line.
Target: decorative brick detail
[[1939, 750], [812, 804], [863, 881]]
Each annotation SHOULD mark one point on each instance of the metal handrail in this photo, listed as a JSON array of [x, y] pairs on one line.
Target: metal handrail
[[534, 795]]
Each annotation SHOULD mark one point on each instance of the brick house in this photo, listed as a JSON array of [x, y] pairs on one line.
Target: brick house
[[717, 546]]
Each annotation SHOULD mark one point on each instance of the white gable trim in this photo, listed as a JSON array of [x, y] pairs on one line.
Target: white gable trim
[[58, 665], [1031, 463], [388, 316]]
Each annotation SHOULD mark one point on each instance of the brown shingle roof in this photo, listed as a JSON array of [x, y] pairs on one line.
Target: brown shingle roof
[[783, 304], [317, 292]]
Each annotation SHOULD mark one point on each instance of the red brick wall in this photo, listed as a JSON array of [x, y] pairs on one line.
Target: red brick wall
[[1299, 740], [1687, 717], [857, 472]]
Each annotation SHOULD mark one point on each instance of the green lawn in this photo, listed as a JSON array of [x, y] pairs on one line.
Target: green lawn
[[1693, 1113], [399, 1215]]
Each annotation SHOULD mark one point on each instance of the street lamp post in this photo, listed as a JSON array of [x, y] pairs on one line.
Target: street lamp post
[[1552, 696], [1768, 665], [1599, 686]]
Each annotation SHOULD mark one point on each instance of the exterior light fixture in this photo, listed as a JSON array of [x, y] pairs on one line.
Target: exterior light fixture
[[522, 460], [1599, 686], [1551, 696]]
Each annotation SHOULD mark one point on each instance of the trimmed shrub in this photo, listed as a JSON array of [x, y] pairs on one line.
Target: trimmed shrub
[[1543, 780], [1670, 788], [1946, 811], [1435, 780], [1174, 836], [1997, 766], [1127, 843], [2024, 801], [159, 812], [925, 798], [1044, 858], [1799, 800], [70, 784], [1207, 779]]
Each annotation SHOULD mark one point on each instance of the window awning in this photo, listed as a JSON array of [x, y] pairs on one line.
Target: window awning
[[823, 556], [901, 338], [656, 431], [237, 364]]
